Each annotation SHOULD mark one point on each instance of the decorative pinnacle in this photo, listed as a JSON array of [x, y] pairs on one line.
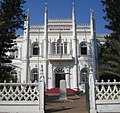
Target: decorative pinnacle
[[72, 3], [45, 4], [28, 14], [45, 7], [91, 12], [73, 7]]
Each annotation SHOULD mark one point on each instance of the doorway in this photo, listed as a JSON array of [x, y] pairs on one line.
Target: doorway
[[58, 77]]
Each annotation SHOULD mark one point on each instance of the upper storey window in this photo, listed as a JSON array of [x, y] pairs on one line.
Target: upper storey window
[[59, 48], [83, 48], [14, 54], [35, 49]]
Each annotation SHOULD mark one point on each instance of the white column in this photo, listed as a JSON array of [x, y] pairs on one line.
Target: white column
[[49, 47], [45, 72], [26, 53], [74, 50], [41, 93], [50, 77], [67, 78], [45, 51], [93, 42], [45, 54], [68, 48], [92, 92]]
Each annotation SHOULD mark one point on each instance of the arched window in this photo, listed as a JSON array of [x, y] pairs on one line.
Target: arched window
[[84, 76], [83, 48], [14, 54], [59, 48], [34, 75], [35, 49]]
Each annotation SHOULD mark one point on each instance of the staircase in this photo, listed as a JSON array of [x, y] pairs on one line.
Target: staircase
[[57, 91]]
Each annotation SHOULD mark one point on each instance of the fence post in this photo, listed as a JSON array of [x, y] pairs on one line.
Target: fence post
[[41, 96], [92, 92]]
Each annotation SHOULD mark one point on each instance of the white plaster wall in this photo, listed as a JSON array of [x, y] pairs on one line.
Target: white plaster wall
[[38, 34]]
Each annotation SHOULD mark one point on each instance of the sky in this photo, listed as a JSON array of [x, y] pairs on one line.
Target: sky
[[63, 9]]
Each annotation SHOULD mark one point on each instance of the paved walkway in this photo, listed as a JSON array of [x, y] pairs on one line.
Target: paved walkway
[[75, 104]]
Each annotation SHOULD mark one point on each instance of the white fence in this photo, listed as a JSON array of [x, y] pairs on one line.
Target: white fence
[[22, 97], [107, 96], [104, 96]]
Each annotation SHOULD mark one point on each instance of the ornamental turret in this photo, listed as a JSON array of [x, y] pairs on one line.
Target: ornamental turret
[[45, 54], [74, 49]]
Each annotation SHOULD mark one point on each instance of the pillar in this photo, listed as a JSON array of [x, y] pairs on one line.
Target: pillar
[[74, 50]]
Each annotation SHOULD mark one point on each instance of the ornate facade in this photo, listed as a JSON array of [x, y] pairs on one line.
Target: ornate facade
[[60, 49]]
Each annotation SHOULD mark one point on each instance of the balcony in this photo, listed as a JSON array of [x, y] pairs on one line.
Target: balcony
[[60, 57]]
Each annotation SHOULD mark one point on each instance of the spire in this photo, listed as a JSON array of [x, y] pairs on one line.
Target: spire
[[45, 31], [27, 42], [46, 12], [73, 11], [91, 14], [45, 21], [73, 21], [26, 24], [46, 8], [92, 23], [73, 8]]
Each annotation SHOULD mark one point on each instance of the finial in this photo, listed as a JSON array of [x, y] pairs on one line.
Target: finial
[[91, 12], [45, 7], [28, 10], [73, 3], [73, 11], [45, 4], [28, 13]]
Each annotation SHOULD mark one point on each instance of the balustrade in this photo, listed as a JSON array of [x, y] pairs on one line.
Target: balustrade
[[19, 92], [23, 97], [107, 90]]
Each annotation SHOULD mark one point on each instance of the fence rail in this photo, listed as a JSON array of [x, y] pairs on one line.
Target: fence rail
[[107, 96], [23, 97]]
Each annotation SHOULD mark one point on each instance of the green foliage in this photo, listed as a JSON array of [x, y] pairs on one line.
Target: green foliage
[[5, 72], [109, 59], [11, 19], [112, 13]]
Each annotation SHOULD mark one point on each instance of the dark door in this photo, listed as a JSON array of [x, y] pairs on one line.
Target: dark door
[[59, 77]]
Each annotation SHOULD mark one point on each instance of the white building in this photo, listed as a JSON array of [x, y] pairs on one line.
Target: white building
[[60, 47]]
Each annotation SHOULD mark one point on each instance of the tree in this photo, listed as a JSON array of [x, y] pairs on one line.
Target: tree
[[109, 59], [11, 19]]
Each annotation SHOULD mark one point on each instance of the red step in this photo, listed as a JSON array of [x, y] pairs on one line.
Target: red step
[[57, 91]]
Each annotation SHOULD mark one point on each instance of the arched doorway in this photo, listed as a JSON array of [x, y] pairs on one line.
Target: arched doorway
[[59, 75], [34, 75]]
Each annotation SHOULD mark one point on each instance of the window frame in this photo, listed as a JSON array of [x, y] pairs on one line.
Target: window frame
[[35, 50], [83, 49]]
